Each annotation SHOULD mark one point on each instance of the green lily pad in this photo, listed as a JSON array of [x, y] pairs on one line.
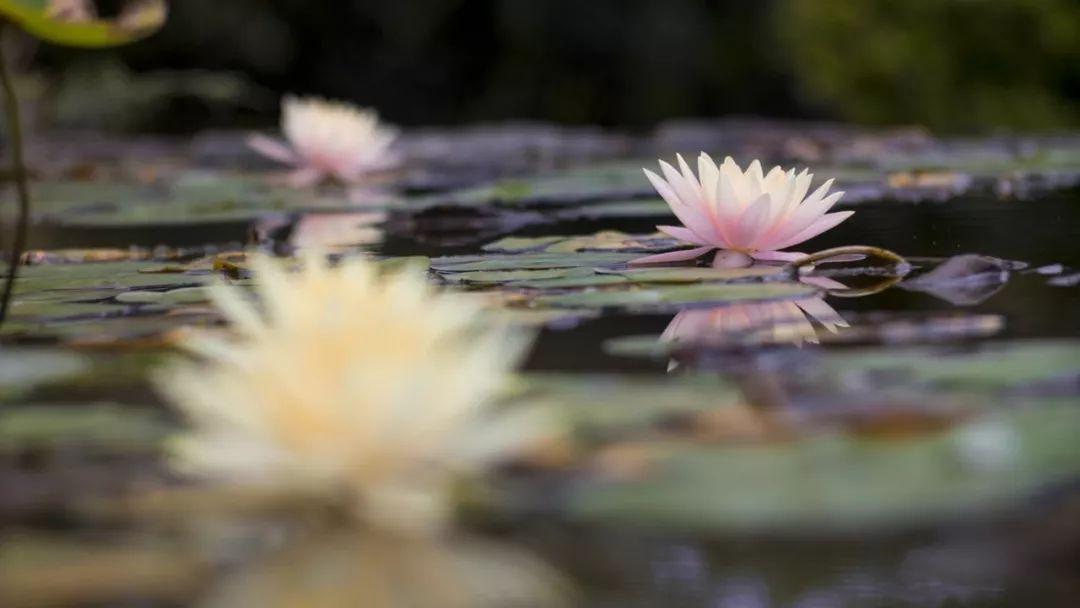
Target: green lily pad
[[606, 240], [172, 297], [139, 19], [845, 483], [602, 404], [499, 277], [102, 426], [993, 367], [705, 293], [22, 369], [695, 274], [529, 261]]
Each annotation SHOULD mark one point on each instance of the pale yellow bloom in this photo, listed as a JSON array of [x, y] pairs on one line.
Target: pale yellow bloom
[[350, 385]]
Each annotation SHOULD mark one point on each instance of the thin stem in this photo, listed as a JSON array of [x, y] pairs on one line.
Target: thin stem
[[18, 166]]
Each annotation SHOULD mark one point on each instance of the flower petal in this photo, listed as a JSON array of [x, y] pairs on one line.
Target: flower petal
[[683, 234], [304, 177], [688, 194], [272, 148], [802, 218], [694, 218], [709, 174], [690, 179], [753, 222], [737, 182], [673, 256], [821, 225]]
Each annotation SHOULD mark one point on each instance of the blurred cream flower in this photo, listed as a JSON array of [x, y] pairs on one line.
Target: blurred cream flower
[[351, 386], [747, 215], [328, 140]]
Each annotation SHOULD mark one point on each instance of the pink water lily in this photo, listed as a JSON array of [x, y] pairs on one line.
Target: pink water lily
[[328, 140], [748, 215]]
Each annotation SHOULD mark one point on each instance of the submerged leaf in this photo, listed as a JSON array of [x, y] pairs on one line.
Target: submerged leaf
[[964, 280]]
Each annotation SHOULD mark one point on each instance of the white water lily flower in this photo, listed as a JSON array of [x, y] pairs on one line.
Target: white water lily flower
[[748, 215], [329, 140], [347, 384]]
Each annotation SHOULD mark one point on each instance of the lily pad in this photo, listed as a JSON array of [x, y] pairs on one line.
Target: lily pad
[[705, 293], [139, 19], [529, 261], [994, 366], [21, 369], [844, 483], [100, 426], [606, 240], [695, 274]]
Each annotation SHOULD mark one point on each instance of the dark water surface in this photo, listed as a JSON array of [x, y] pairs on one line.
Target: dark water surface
[[1007, 563], [970, 565]]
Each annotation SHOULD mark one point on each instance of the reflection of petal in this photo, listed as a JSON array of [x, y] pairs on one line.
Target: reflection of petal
[[326, 230], [302, 178], [272, 148], [353, 568], [765, 322], [823, 282], [820, 311]]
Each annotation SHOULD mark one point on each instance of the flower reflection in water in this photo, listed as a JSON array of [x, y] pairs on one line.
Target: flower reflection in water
[[379, 570], [780, 322], [337, 231]]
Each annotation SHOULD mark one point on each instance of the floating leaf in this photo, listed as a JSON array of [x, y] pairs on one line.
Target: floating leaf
[[22, 369], [843, 483], [528, 261], [964, 280], [606, 240], [100, 426], [678, 294], [695, 274], [138, 19], [993, 367]]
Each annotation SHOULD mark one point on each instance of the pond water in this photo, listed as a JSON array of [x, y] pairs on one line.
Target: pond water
[[1023, 558]]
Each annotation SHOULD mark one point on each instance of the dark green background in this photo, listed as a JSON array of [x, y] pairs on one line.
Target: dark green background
[[951, 65]]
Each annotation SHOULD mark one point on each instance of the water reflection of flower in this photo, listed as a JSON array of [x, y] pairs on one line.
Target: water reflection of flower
[[331, 231], [354, 568], [776, 322]]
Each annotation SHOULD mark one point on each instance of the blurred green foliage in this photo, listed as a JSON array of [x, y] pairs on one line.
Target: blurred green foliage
[[952, 65]]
